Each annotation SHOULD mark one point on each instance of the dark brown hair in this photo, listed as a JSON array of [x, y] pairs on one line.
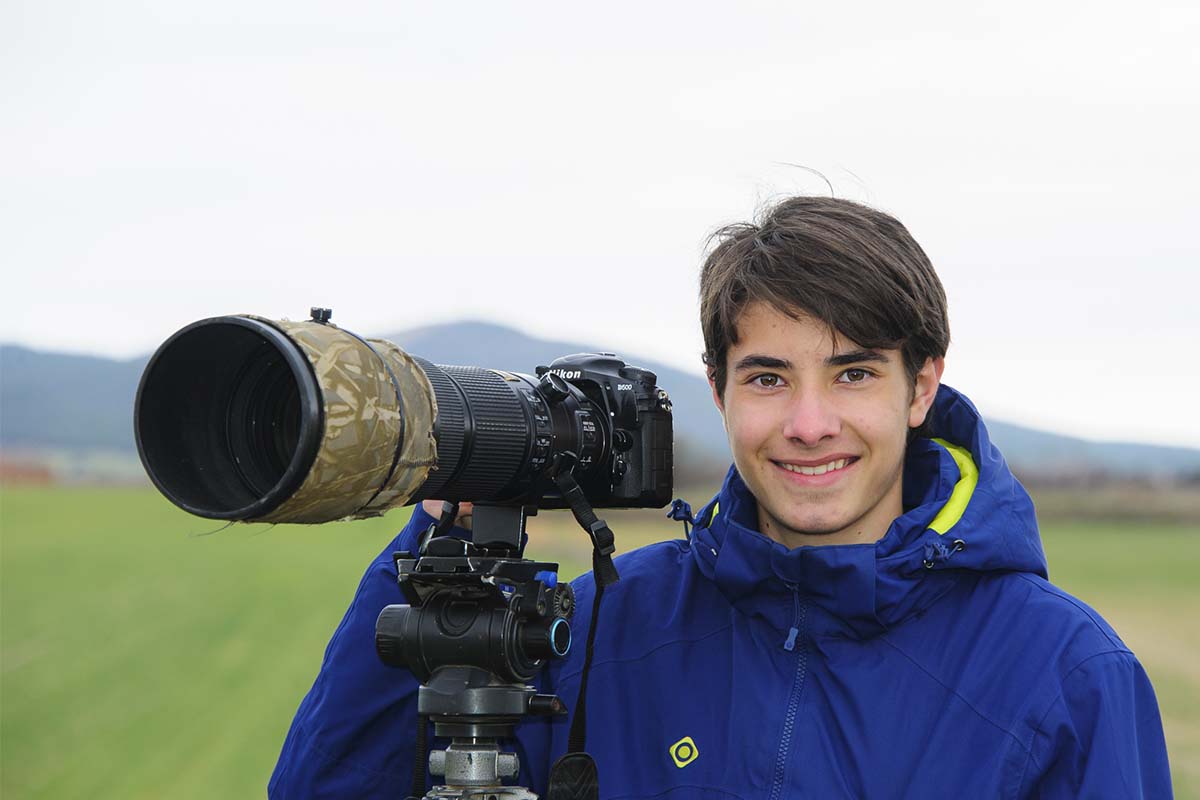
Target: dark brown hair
[[856, 269]]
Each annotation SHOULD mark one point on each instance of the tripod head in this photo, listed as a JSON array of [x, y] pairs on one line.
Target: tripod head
[[480, 622]]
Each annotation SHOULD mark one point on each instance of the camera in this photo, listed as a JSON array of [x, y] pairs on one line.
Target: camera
[[245, 418]]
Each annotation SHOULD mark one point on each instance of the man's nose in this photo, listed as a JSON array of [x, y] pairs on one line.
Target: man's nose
[[811, 418]]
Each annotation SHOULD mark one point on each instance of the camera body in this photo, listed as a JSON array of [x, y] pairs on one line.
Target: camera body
[[639, 466]]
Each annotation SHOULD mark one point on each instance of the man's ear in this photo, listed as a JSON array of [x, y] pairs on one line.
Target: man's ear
[[716, 395], [925, 388]]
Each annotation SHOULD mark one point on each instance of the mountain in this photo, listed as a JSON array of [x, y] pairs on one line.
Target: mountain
[[54, 401], [66, 402]]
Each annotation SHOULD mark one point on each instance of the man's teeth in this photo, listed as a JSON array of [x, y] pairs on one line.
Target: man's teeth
[[820, 469]]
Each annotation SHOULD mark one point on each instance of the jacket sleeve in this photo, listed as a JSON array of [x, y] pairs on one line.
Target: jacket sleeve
[[354, 733], [1102, 737]]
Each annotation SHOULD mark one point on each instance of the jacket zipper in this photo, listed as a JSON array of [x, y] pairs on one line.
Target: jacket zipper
[[799, 622]]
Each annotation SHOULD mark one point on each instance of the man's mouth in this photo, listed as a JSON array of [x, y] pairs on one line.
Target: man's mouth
[[818, 469]]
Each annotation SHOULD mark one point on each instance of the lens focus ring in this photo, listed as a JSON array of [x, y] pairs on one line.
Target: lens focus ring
[[482, 431]]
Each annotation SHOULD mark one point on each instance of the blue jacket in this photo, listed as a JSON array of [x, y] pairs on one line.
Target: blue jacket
[[936, 662]]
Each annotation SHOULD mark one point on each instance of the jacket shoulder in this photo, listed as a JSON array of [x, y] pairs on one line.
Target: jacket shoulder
[[1081, 631], [1045, 667], [1026, 615], [1006, 644]]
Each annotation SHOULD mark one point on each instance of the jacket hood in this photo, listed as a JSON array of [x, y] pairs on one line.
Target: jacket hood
[[965, 513]]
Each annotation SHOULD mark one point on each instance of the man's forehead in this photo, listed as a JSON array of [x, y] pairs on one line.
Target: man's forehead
[[773, 333]]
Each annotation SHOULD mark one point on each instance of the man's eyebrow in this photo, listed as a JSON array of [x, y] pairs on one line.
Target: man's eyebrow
[[856, 357], [761, 362]]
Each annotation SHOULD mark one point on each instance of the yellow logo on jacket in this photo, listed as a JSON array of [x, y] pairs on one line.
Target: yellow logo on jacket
[[684, 752]]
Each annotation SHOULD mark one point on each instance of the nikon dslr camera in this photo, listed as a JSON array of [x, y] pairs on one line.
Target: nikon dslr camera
[[245, 418]]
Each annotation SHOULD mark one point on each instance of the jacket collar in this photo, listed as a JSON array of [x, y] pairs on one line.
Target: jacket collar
[[964, 513]]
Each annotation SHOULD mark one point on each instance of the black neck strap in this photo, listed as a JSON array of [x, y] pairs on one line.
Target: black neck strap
[[574, 775]]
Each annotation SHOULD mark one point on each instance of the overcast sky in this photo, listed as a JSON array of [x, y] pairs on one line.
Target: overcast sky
[[557, 167]]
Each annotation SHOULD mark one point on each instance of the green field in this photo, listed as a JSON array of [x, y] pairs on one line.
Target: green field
[[145, 653]]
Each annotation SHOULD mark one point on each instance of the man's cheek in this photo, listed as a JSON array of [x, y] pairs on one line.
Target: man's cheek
[[746, 431]]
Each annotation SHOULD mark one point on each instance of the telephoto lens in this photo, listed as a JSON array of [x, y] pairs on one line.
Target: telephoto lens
[[250, 419]]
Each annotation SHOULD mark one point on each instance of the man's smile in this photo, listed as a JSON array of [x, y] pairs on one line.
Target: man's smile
[[816, 472]]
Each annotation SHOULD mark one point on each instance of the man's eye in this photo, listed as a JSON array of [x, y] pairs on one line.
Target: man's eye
[[854, 376], [766, 381]]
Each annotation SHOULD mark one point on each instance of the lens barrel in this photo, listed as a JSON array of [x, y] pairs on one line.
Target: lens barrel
[[497, 432]]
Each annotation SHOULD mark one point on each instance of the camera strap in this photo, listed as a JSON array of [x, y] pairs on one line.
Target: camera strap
[[574, 775], [603, 542]]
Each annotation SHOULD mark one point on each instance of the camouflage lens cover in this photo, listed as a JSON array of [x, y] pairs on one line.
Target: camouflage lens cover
[[377, 446]]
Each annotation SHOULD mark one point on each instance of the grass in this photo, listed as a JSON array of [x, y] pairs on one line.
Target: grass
[[141, 658], [145, 653]]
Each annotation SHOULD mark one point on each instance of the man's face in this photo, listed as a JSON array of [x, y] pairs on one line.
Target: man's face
[[817, 433]]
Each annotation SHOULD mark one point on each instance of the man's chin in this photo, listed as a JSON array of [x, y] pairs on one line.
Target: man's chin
[[816, 529], [815, 525]]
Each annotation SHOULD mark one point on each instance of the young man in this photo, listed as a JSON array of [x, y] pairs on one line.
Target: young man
[[862, 611]]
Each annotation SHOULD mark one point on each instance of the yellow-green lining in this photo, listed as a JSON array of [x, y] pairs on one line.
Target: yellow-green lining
[[956, 506]]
